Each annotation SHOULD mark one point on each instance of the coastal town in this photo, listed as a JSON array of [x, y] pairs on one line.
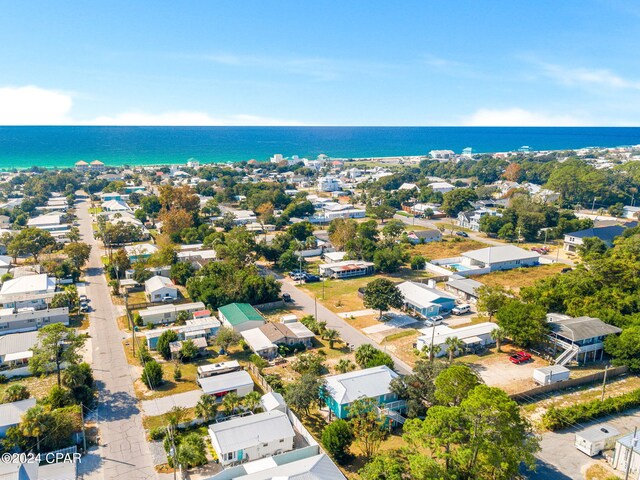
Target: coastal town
[[452, 315]]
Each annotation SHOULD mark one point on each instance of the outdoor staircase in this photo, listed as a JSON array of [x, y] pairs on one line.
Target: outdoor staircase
[[392, 411], [568, 355]]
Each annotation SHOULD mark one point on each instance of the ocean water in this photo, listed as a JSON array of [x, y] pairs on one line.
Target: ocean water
[[22, 147]]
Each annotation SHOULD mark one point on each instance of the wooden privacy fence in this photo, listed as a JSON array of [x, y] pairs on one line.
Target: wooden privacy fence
[[573, 382]]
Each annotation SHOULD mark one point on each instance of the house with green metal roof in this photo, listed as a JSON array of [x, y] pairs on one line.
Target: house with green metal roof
[[240, 317]]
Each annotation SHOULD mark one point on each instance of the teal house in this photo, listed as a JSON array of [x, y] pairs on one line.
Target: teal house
[[342, 390]]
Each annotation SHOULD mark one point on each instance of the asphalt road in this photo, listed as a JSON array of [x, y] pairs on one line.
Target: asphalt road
[[304, 302], [123, 452], [558, 459]]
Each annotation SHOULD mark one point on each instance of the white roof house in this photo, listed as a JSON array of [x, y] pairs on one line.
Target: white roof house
[[368, 383], [409, 186], [115, 206], [273, 401], [501, 258], [11, 413], [46, 220], [426, 300], [160, 288], [29, 284], [442, 187], [259, 342], [140, 250], [303, 464], [16, 347], [239, 382], [252, 437], [478, 334]]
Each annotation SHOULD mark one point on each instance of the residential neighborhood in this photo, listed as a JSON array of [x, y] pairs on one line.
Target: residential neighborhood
[[310, 317]]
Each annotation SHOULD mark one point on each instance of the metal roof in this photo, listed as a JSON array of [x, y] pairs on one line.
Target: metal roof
[[245, 432], [11, 413], [506, 253], [367, 383], [598, 432], [238, 313], [224, 382]]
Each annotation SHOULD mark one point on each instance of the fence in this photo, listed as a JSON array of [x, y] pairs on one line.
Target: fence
[[269, 306], [295, 421], [140, 306], [573, 382]]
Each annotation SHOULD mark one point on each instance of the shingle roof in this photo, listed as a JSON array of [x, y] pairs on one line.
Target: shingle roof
[[582, 328], [606, 234], [239, 313]]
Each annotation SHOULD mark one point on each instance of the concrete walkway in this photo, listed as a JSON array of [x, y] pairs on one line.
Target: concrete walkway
[[123, 451], [158, 406]]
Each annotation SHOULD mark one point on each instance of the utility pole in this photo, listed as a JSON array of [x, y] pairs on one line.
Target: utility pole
[[84, 436], [634, 442], [604, 382], [593, 205], [432, 354], [173, 449]]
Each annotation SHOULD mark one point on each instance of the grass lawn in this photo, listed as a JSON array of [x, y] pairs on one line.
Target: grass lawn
[[38, 386], [519, 277], [600, 471], [342, 295], [448, 247], [95, 210], [79, 321], [161, 420]]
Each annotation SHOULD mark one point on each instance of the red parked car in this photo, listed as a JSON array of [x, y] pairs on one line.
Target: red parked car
[[520, 357]]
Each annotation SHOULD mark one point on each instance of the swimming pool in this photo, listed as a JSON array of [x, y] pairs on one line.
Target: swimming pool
[[459, 267]]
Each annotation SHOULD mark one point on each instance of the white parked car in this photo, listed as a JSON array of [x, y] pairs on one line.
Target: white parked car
[[433, 321], [461, 309]]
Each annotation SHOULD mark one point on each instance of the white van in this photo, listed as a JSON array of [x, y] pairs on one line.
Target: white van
[[461, 309]]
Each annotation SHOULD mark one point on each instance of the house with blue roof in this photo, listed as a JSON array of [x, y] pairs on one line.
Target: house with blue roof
[[605, 233], [426, 300]]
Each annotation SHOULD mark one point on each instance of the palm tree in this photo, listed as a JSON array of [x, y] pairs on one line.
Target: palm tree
[[431, 351], [498, 335], [15, 393], [332, 335], [206, 407], [453, 345], [251, 401], [364, 353], [230, 403], [32, 423], [345, 365]]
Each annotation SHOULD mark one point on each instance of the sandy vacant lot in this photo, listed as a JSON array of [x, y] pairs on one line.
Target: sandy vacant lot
[[497, 371]]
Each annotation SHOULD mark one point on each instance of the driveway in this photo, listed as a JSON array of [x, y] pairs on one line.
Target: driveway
[[123, 451], [560, 460]]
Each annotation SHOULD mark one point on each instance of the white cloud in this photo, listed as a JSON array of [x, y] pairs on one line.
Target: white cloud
[[187, 118], [519, 117], [31, 105], [587, 77]]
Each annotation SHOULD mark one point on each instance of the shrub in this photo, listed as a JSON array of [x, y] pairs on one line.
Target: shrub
[[258, 361], [152, 374], [559, 418], [337, 437], [157, 433], [3, 379], [418, 262]]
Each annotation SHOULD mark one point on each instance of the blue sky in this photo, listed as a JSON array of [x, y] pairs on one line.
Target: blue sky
[[357, 62]]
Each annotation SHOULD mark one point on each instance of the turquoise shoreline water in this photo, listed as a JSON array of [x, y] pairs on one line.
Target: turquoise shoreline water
[[57, 147]]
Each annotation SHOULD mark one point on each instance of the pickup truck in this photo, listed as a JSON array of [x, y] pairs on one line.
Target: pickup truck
[[520, 357]]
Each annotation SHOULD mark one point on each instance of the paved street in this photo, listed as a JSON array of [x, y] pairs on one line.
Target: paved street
[[560, 460], [303, 301], [123, 452]]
